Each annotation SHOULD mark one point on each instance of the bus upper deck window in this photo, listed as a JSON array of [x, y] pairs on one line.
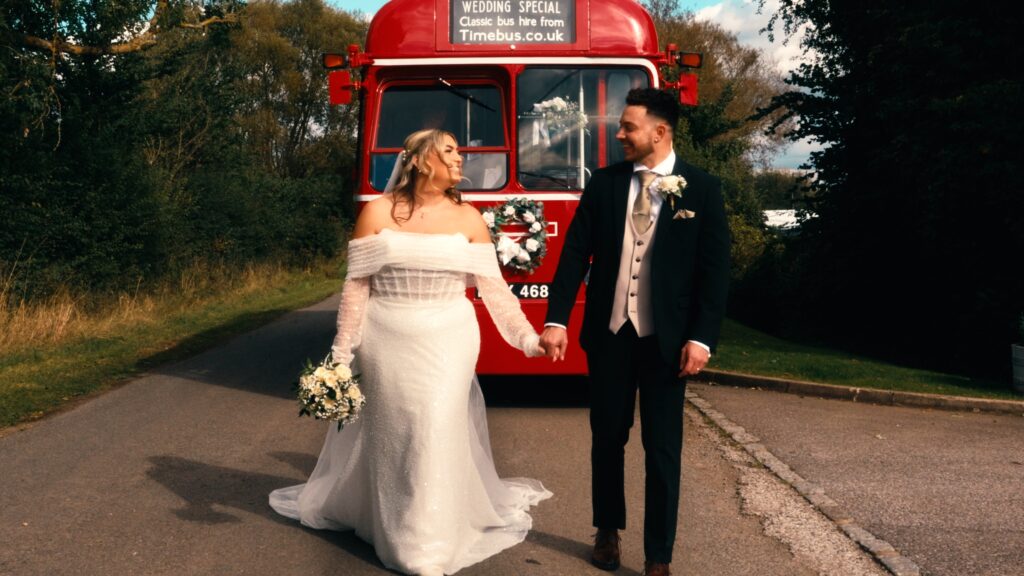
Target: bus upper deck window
[[567, 119], [471, 112]]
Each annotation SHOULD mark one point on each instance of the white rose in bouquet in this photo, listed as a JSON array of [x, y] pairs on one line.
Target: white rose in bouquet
[[343, 372], [355, 393]]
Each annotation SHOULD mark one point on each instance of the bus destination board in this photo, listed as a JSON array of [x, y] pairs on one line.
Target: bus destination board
[[513, 21]]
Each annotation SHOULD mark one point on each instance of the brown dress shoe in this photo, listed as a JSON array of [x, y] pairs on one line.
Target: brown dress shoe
[[656, 569], [606, 549]]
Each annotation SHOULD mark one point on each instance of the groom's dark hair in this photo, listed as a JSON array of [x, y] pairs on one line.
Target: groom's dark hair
[[659, 103]]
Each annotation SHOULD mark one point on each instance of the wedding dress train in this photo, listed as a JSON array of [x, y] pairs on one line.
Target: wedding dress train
[[414, 476]]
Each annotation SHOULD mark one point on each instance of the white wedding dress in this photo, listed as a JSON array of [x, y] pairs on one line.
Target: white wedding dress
[[414, 475]]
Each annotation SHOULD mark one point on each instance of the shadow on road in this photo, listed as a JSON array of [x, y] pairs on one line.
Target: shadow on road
[[206, 487], [301, 461], [540, 391], [204, 340], [266, 360], [569, 548]]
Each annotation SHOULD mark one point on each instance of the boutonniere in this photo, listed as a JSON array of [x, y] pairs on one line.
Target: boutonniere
[[671, 187]]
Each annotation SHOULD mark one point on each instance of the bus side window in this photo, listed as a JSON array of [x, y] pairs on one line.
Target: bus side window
[[619, 84], [381, 166], [483, 171]]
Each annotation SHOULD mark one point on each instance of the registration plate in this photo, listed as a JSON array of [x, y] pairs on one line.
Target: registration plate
[[527, 290]]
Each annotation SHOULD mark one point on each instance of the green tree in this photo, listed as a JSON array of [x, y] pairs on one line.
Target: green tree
[[118, 166], [917, 190], [290, 126], [723, 134]]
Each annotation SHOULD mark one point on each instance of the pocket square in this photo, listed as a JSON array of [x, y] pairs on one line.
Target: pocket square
[[683, 214]]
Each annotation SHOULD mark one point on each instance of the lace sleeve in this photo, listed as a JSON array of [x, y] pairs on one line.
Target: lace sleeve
[[507, 314], [351, 312]]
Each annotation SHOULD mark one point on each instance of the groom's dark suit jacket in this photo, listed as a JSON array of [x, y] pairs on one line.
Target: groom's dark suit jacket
[[689, 267]]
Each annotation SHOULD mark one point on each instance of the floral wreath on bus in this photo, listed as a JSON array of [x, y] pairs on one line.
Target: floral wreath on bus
[[526, 253]]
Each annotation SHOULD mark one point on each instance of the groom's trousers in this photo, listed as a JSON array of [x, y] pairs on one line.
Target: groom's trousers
[[620, 365]]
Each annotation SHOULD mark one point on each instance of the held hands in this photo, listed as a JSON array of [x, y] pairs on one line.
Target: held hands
[[554, 341], [692, 360]]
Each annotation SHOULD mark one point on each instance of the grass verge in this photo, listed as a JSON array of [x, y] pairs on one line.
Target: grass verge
[[102, 347], [96, 350], [743, 349]]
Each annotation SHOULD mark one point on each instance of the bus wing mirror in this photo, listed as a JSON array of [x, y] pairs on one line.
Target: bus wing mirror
[[689, 59], [333, 61], [687, 89], [340, 87]]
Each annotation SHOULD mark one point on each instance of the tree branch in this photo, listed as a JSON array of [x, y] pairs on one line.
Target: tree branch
[[43, 45], [228, 19], [138, 43]]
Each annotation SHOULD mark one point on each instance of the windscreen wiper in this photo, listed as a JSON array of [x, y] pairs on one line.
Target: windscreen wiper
[[464, 95], [562, 181]]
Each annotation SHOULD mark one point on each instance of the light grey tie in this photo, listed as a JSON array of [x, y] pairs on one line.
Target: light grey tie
[[642, 204]]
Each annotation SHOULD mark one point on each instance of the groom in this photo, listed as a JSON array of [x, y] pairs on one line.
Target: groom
[[657, 250]]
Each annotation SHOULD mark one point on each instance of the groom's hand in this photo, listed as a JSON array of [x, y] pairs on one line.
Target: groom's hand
[[693, 359], [554, 340]]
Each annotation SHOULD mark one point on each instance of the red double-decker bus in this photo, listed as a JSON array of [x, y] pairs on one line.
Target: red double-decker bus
[[533, 90]]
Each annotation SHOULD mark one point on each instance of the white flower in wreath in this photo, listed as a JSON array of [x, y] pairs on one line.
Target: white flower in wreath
[[528, 217], [536, 227], [507, 249], [523, 255], [510, 211], [489, 218], [532, 245]]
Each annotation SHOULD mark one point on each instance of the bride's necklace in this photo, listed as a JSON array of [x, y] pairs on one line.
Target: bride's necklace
[[425, 210]]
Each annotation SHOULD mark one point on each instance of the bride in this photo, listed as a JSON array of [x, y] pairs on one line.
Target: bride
[[414, 476]]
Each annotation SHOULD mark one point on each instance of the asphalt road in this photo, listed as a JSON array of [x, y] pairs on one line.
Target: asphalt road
[[945, 488], [170, 473]]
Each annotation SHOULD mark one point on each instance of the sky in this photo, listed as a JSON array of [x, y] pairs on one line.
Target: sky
[[737, 16]]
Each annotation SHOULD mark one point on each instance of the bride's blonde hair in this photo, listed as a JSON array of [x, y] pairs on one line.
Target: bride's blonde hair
[[418, 146]]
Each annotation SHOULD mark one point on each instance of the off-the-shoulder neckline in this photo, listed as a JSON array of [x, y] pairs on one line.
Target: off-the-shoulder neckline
[[435, 234]]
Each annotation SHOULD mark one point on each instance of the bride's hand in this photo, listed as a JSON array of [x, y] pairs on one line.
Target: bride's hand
[[532, 347]]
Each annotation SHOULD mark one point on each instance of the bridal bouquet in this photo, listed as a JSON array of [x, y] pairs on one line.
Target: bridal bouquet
[[330, 391]]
